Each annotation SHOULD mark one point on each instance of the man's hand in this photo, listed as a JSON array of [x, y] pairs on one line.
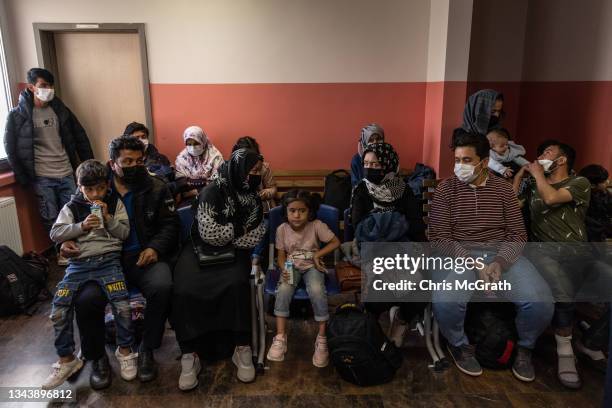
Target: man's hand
[[147, 257], [535, 169], [69, 249], [91, 222], [494, 270]]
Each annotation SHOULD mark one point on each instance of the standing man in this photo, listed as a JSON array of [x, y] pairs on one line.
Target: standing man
[[45, 142]]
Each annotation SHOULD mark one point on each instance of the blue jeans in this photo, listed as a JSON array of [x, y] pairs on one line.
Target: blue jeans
[[53, 194], [106, 271], [532, 317], [315, 287]]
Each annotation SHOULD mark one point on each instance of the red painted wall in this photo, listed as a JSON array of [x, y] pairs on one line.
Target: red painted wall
[[298, 126]]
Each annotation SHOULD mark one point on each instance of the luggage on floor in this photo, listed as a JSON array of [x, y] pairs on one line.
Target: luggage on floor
[[349, 277], [359, 350]]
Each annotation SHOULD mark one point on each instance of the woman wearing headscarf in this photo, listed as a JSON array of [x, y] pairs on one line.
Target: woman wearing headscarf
[[383, 191], [211, 299], [198, 161], [483, 112], [371, 133]]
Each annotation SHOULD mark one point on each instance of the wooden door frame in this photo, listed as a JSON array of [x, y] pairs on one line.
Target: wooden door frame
[[45, 50]]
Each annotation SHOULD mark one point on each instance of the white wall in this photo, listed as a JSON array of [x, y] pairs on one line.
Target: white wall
[[253, 41]]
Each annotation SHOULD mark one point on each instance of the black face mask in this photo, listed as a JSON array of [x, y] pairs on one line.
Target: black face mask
[[493, 121], [135, 175], [373, 175], [254, 182]]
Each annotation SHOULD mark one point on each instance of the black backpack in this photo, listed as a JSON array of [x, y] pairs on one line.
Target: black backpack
[[490, 327], [338, 190], [22, 282], [359, 349]]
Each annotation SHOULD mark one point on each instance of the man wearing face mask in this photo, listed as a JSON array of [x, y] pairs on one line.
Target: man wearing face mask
[[45, 142], [558, 202], [476, 214], [152, 242]]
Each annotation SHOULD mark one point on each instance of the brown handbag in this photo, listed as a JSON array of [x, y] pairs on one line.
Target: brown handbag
[[349, 277]]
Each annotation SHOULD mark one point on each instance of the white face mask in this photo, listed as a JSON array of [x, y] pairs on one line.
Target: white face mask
[[195, 150], [546, 164], [45, 94], [465, 172], [145, 142]]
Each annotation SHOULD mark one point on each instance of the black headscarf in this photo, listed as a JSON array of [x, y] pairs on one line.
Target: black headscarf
[[232, 180], [392, 187]]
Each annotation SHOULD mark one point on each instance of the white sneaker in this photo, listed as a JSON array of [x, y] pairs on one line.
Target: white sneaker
[[61, 372], [129, 365], [320, 358], [243, 360], [190, 369], [278, 348]]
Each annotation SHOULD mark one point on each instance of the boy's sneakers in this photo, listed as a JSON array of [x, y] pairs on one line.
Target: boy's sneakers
[[278, 348], [243, 360], [61, 372], [465, 360], [320, 358], [190, 369], [128, 364], [522, 367]]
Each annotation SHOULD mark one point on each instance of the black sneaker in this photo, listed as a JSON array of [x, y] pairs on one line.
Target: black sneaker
[[522, 367], [147, 367], [465, 360], [100, 377]]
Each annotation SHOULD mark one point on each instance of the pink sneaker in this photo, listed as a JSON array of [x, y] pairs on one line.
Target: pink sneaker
[[320, 358], [278, 348]]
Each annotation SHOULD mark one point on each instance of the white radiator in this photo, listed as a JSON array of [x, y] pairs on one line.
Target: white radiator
[[10, 235]]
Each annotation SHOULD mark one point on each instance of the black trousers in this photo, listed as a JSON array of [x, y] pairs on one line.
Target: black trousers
[[155, 283]]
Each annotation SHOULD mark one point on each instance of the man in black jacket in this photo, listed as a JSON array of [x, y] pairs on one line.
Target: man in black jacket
[[44, 143], [153, 241]]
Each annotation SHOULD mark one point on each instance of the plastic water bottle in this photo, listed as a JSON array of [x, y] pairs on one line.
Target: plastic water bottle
[[289, 269], [97, 211]]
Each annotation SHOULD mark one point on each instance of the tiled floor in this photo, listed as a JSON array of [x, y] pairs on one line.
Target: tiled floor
[[26, 352]]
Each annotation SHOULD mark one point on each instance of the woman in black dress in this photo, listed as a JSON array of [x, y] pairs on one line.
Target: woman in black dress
[[211, 303]]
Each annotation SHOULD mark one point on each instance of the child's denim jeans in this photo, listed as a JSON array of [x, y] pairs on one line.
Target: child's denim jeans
[[106, 271], [315, 287]]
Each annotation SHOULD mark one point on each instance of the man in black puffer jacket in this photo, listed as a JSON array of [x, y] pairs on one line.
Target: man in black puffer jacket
[[44, 143]]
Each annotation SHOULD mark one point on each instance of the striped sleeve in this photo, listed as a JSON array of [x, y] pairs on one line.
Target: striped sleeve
[[440, 229]]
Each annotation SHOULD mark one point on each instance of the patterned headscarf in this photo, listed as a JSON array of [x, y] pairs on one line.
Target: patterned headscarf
[[392, 187], [366, 133], [232, 177], [477, 112], [203, 166]]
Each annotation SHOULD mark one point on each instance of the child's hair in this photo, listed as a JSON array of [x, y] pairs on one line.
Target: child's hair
[[91, 172], [501, 132], [247, 142], [594, 173], [311, 200]]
